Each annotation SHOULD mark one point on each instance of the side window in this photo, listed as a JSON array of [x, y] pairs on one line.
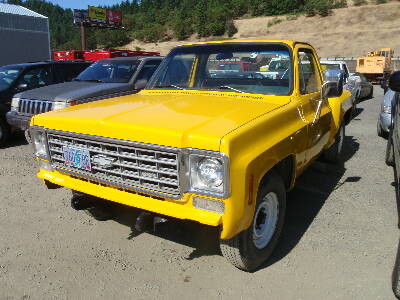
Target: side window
[[148, 69], [310, 81], [178, 71], [66, 72], [37, 77]]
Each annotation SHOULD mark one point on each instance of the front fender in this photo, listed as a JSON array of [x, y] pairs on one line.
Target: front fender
[[254, 149]]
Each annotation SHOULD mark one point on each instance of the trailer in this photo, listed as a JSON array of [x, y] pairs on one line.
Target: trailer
[[94, 55]]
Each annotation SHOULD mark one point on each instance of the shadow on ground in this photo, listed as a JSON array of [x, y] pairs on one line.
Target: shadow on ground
[[356, 113], [17, 139], [304, 203]]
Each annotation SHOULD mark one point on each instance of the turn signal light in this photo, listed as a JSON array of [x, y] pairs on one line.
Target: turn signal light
[[209, 205]]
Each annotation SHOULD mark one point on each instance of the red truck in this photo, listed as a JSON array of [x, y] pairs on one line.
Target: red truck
[[94, 55]]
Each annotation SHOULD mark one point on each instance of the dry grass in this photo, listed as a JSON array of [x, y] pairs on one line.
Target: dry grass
[[348, 31]]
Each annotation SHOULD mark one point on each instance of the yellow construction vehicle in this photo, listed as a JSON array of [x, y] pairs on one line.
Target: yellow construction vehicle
[[377, 65]]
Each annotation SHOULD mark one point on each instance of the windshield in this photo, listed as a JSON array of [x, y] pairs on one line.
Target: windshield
[[7, 76], [109, 71], [330, 67], [232, 67]]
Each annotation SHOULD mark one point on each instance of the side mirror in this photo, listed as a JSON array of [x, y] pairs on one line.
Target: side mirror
[[333, 85], [394, 81], [140, 84], [22, 86]]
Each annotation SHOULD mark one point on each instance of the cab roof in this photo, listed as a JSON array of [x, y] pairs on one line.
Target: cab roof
[[290, 43]]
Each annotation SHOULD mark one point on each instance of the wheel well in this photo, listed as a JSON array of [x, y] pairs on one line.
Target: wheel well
[[285, 169]]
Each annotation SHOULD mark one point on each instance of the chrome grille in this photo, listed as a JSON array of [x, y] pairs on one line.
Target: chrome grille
[[133, 167], [34, 107]]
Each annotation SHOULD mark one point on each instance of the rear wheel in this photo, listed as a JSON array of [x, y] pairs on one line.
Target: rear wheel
[[251, 248], [5, 131], [389, 158]]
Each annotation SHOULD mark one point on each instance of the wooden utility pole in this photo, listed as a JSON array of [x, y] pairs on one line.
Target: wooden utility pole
[[83, 37]]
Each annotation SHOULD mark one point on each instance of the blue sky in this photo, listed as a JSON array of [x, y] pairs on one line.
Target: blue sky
[[80, 4]]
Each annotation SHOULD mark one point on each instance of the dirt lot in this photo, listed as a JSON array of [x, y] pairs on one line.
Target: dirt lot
[[339, 241]]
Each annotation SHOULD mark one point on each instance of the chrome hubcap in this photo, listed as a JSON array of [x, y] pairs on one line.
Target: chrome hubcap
[[265, 220]]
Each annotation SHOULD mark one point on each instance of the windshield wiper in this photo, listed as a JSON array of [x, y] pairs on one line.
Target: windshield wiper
[[171, 86], [227, 87], [92, 80]]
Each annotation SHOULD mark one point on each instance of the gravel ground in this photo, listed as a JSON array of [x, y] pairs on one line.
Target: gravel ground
[[339, 240]]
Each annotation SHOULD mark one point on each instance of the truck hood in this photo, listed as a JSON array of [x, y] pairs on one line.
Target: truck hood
[[75, 90], [182, 119]]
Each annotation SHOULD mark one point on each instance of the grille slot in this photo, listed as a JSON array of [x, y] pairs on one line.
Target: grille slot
[[34, 107], [133, 167]]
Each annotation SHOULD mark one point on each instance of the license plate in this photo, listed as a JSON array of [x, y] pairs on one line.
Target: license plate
[[77, 158]]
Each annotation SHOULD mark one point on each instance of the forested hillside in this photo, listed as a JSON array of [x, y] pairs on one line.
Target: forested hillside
[[159, 20]]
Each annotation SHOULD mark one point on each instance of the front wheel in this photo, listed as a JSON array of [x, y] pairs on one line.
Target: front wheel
[[371, 94], [334, 153], [251, 248], [5, 131]]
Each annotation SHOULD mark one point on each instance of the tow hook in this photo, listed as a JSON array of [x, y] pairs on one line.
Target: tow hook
[[81, 202], [147, 221]]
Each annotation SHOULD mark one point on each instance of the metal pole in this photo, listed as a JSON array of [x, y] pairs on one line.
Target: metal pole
[[83, 37]]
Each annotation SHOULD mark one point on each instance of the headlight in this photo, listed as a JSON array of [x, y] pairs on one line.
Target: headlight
[[15, 104], [60, 105], [208, 175], [39, 143], [210, 172]]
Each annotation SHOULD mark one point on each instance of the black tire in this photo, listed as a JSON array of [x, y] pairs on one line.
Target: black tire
[[241, 250], [97, 208], [334, 153], [389, 157], [380, 132], [371, 94], [354, 110], [5, 132], [396, 275]]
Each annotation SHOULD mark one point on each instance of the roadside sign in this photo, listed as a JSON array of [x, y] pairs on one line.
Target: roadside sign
[[97, 14], [114, 17], [80, 15]]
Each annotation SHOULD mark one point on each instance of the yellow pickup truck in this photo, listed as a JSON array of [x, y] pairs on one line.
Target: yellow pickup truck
[[220, 148]]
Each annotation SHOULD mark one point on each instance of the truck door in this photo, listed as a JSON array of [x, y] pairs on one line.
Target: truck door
[[315, 109]]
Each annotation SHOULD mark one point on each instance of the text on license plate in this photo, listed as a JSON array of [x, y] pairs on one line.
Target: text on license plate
[[77, 158]]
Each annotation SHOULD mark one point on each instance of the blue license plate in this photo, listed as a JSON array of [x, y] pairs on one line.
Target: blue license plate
[[77, 158]]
